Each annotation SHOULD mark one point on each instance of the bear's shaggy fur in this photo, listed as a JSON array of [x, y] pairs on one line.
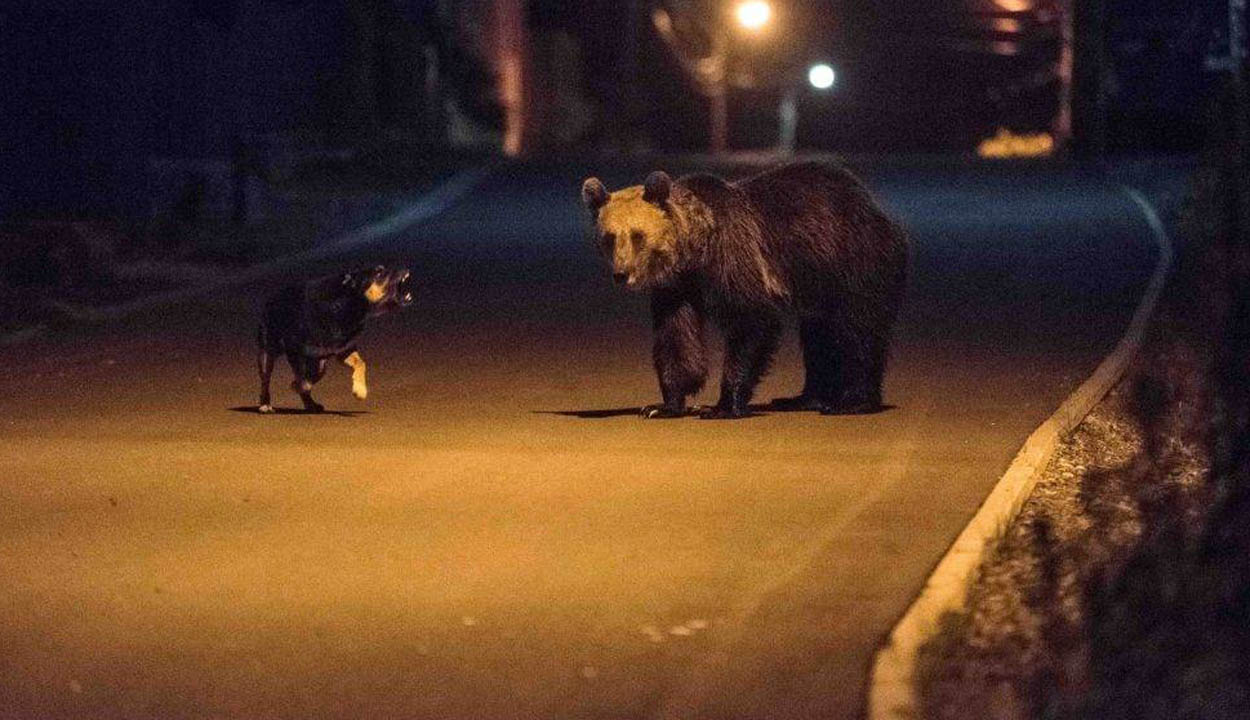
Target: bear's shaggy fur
[[804, 240]]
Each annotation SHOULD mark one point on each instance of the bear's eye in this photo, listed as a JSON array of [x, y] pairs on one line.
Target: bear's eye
[[637, 237]]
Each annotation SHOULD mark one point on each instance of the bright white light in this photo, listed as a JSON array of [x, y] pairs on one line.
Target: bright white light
[[753, 15], [821, 76]]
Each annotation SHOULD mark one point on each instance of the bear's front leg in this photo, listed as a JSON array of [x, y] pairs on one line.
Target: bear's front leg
[[678, 349], [749, 348]]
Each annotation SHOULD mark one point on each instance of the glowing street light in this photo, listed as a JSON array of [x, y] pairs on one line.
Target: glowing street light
[[753, 14], [821, 76]]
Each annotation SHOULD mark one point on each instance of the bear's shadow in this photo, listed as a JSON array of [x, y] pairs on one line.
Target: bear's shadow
[[759, 410], [592, 414], [252, 409], [691, 412]]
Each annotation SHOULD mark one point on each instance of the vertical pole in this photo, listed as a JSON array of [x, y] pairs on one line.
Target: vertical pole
[[435, 123], [719, 91], [238, 179], [1061, 128], [1237, 34], [787, 120], [1241, 120], [632, 82], [1089, 101], [510, 57], [720, 124]]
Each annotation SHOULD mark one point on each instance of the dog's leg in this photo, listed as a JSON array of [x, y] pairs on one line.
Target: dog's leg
[[359, 387], [307, 372], [264, 363]]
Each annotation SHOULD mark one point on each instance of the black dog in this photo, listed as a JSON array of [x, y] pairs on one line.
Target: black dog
[[320, 319]]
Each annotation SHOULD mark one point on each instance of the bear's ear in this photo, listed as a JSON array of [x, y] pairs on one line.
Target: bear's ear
[[656, 188], [594, 194]]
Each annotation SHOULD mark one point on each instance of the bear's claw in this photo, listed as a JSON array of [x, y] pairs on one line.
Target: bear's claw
[[723, 413], [661, 411]]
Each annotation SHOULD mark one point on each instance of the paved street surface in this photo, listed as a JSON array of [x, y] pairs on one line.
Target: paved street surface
[[494, 533]]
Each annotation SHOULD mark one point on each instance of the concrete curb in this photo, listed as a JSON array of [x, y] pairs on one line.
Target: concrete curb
[[429, 205], [892, 691]]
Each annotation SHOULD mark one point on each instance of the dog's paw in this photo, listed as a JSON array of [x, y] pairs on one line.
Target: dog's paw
[[360, 391], [314, 408], [265, 409]]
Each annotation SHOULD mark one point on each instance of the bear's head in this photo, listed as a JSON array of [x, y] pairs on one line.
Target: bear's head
[[639, 230]]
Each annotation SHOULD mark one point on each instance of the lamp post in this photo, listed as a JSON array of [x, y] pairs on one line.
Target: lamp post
[[751, 16], [710, 72]]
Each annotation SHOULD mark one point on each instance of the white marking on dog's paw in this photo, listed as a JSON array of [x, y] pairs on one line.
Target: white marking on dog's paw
[[266, 409]]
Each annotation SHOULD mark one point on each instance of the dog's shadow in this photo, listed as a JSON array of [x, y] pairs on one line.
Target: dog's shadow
[[253, 410]]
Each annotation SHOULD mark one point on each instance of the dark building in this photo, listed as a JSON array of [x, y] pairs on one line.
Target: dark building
[[105, 96]]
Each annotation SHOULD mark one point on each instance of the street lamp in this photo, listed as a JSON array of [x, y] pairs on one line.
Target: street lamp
[[821, 76], [753, 14]]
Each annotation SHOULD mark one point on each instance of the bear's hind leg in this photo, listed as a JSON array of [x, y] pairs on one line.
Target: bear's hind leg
[[749, 349], [860, 372], [820, 368]]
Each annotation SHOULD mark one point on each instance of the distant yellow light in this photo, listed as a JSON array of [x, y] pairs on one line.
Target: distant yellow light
[[1008, 25], [1006, 144], [754, 14]]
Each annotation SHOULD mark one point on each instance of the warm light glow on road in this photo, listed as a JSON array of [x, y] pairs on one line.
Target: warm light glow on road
[[821, 76], [753, 15]]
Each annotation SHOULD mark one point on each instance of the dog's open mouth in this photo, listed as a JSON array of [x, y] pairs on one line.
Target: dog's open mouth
[[403, 291]]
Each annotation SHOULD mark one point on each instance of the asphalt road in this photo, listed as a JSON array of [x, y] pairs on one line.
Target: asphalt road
[[494, 533]]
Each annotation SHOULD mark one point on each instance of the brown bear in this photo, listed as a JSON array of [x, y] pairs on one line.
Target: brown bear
[[804, 240]]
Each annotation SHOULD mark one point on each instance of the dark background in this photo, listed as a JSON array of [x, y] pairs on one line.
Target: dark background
[[96, 92]]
